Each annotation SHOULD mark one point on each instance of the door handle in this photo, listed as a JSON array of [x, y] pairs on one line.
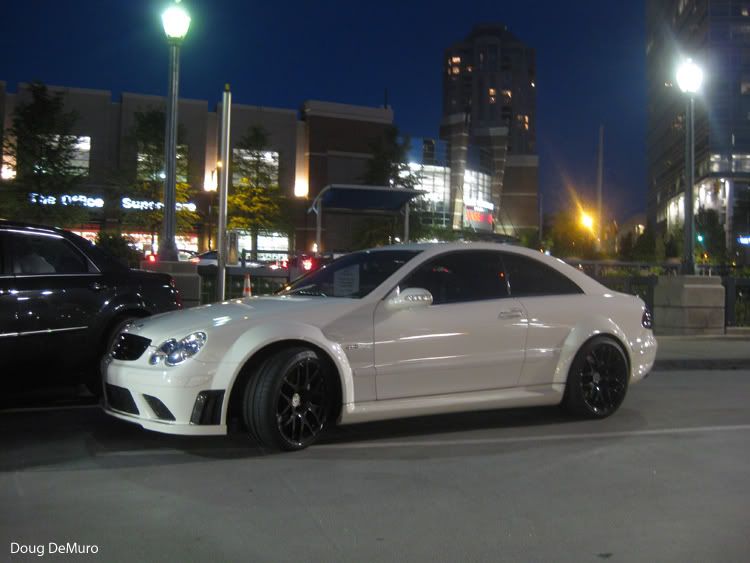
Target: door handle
[[510, 314]]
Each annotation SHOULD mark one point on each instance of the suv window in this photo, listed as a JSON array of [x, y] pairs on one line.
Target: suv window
[[528, 277], [461, 276], [44, 254]]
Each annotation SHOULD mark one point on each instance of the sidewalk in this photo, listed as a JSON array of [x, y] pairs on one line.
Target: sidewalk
[[702, 352]]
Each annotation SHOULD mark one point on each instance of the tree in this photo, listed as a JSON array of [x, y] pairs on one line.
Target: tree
[[255, 201], [389, 166], [713, 246], [569, 238], [147, 138], [41, 145]]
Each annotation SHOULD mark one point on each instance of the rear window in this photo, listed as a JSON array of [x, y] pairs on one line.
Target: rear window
[[528, 277]]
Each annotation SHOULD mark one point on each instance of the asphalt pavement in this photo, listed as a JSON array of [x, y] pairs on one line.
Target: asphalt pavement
[[664, 479]]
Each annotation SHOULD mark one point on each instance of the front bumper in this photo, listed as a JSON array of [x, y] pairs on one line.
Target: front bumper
[[177, 400]]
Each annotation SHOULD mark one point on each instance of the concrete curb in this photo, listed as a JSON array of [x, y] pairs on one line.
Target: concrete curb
[[701, 364]]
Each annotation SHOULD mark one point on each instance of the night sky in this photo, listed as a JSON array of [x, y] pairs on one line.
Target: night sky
[[590, 65]]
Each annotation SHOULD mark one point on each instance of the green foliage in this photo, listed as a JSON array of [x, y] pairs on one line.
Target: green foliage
[[119, 246], [569, 238], [714, 244], [389, 163], [255, 201], [147, 138], [41, 143]]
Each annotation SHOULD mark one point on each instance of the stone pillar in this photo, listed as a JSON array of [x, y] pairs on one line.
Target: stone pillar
[[689, 305], [186, 279]]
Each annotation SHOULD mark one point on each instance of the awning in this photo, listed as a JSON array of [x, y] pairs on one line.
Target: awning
[[364, 198], [361, 198]]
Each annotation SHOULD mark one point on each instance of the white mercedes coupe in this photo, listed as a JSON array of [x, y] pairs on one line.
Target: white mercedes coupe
[[399, 331]]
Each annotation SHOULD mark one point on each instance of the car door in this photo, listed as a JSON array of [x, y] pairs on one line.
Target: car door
[[553, 303], [472, 337], [9, 353], [59, 293]]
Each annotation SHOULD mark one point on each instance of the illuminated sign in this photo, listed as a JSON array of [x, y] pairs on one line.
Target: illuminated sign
[[145, 205], [79, 199], [478, 218], [744, 240], [95, 202]]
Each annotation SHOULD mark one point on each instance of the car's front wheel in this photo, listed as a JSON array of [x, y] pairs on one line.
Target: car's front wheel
[[288, 403], [598, 379]]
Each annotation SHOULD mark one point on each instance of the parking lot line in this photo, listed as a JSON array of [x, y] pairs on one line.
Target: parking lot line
[[520, 439]]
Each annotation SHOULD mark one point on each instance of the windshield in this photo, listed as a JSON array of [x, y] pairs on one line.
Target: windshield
[[354, 275]]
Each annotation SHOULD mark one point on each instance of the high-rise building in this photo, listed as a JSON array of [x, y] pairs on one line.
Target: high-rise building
[[715, 34], [489, 105]]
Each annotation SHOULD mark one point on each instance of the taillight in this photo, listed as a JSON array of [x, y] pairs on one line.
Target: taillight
[[647, 320], [307, 264], [151, 258]]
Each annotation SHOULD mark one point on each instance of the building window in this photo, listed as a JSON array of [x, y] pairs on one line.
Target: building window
[[455, 70], [745, 87], [507, 94], [492, 93], [150, 165], [268, 158], [82, 155], [505, 114], [523, 121], [455, 60]]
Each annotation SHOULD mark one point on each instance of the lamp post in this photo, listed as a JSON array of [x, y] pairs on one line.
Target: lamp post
[[176, 21], [689, 78]]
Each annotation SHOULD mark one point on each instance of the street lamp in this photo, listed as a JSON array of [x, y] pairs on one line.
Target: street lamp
[[587, 221], [176, 21], [689, 79]]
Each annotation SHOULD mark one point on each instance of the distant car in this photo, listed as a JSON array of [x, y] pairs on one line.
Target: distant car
[[182, 256], [392, 332], [210, 258], [63, 301]]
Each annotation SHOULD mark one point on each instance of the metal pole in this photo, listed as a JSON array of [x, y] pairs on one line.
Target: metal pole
[[167, 246], [688, 264], [541, 219], [599, 178], [406, 222], [318, 225], [221, 232]]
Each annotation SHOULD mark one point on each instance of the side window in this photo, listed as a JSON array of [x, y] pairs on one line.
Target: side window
[[528, 277], [37, 254], [460, 277]]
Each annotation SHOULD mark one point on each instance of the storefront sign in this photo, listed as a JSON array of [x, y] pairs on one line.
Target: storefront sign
[[478, 218], [95, 202]]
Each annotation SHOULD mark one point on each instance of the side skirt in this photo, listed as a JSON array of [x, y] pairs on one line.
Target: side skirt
[[531, 396]]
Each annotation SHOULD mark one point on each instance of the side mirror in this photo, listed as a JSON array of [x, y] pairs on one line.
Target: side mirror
[[409, 298]]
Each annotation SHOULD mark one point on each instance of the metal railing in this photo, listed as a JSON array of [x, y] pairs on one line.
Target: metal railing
[[263, 281]]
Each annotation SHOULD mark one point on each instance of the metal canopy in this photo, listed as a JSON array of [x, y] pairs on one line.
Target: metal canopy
[[362, 198]]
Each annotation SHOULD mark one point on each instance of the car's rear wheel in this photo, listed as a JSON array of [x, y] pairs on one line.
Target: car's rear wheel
[[288, 404], [598, 379]]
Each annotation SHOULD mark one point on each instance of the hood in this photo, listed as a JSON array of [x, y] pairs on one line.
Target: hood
[[237, 315]]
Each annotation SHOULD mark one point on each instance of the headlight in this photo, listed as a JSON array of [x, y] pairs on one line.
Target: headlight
[[175, 351]]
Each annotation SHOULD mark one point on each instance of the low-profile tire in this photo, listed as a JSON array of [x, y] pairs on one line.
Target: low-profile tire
[[288, 403], [95, 381], [597, 380]]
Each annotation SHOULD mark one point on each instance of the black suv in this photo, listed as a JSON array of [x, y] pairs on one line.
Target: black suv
[[63, 301]]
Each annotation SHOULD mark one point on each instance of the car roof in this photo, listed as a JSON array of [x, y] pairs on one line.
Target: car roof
[[23, 225], [429, 249]]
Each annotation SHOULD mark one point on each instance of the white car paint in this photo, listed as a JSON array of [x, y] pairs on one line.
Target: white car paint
[[426, 360]]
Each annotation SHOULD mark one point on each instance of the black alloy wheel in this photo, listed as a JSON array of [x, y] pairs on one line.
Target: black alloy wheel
[[288, 403], [598, 379]]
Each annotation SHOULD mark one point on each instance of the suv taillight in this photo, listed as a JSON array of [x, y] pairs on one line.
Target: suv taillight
[[647, 320]]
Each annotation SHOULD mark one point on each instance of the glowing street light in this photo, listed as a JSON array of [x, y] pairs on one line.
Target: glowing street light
[[587, 221], [689, 79], [176, 22]]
